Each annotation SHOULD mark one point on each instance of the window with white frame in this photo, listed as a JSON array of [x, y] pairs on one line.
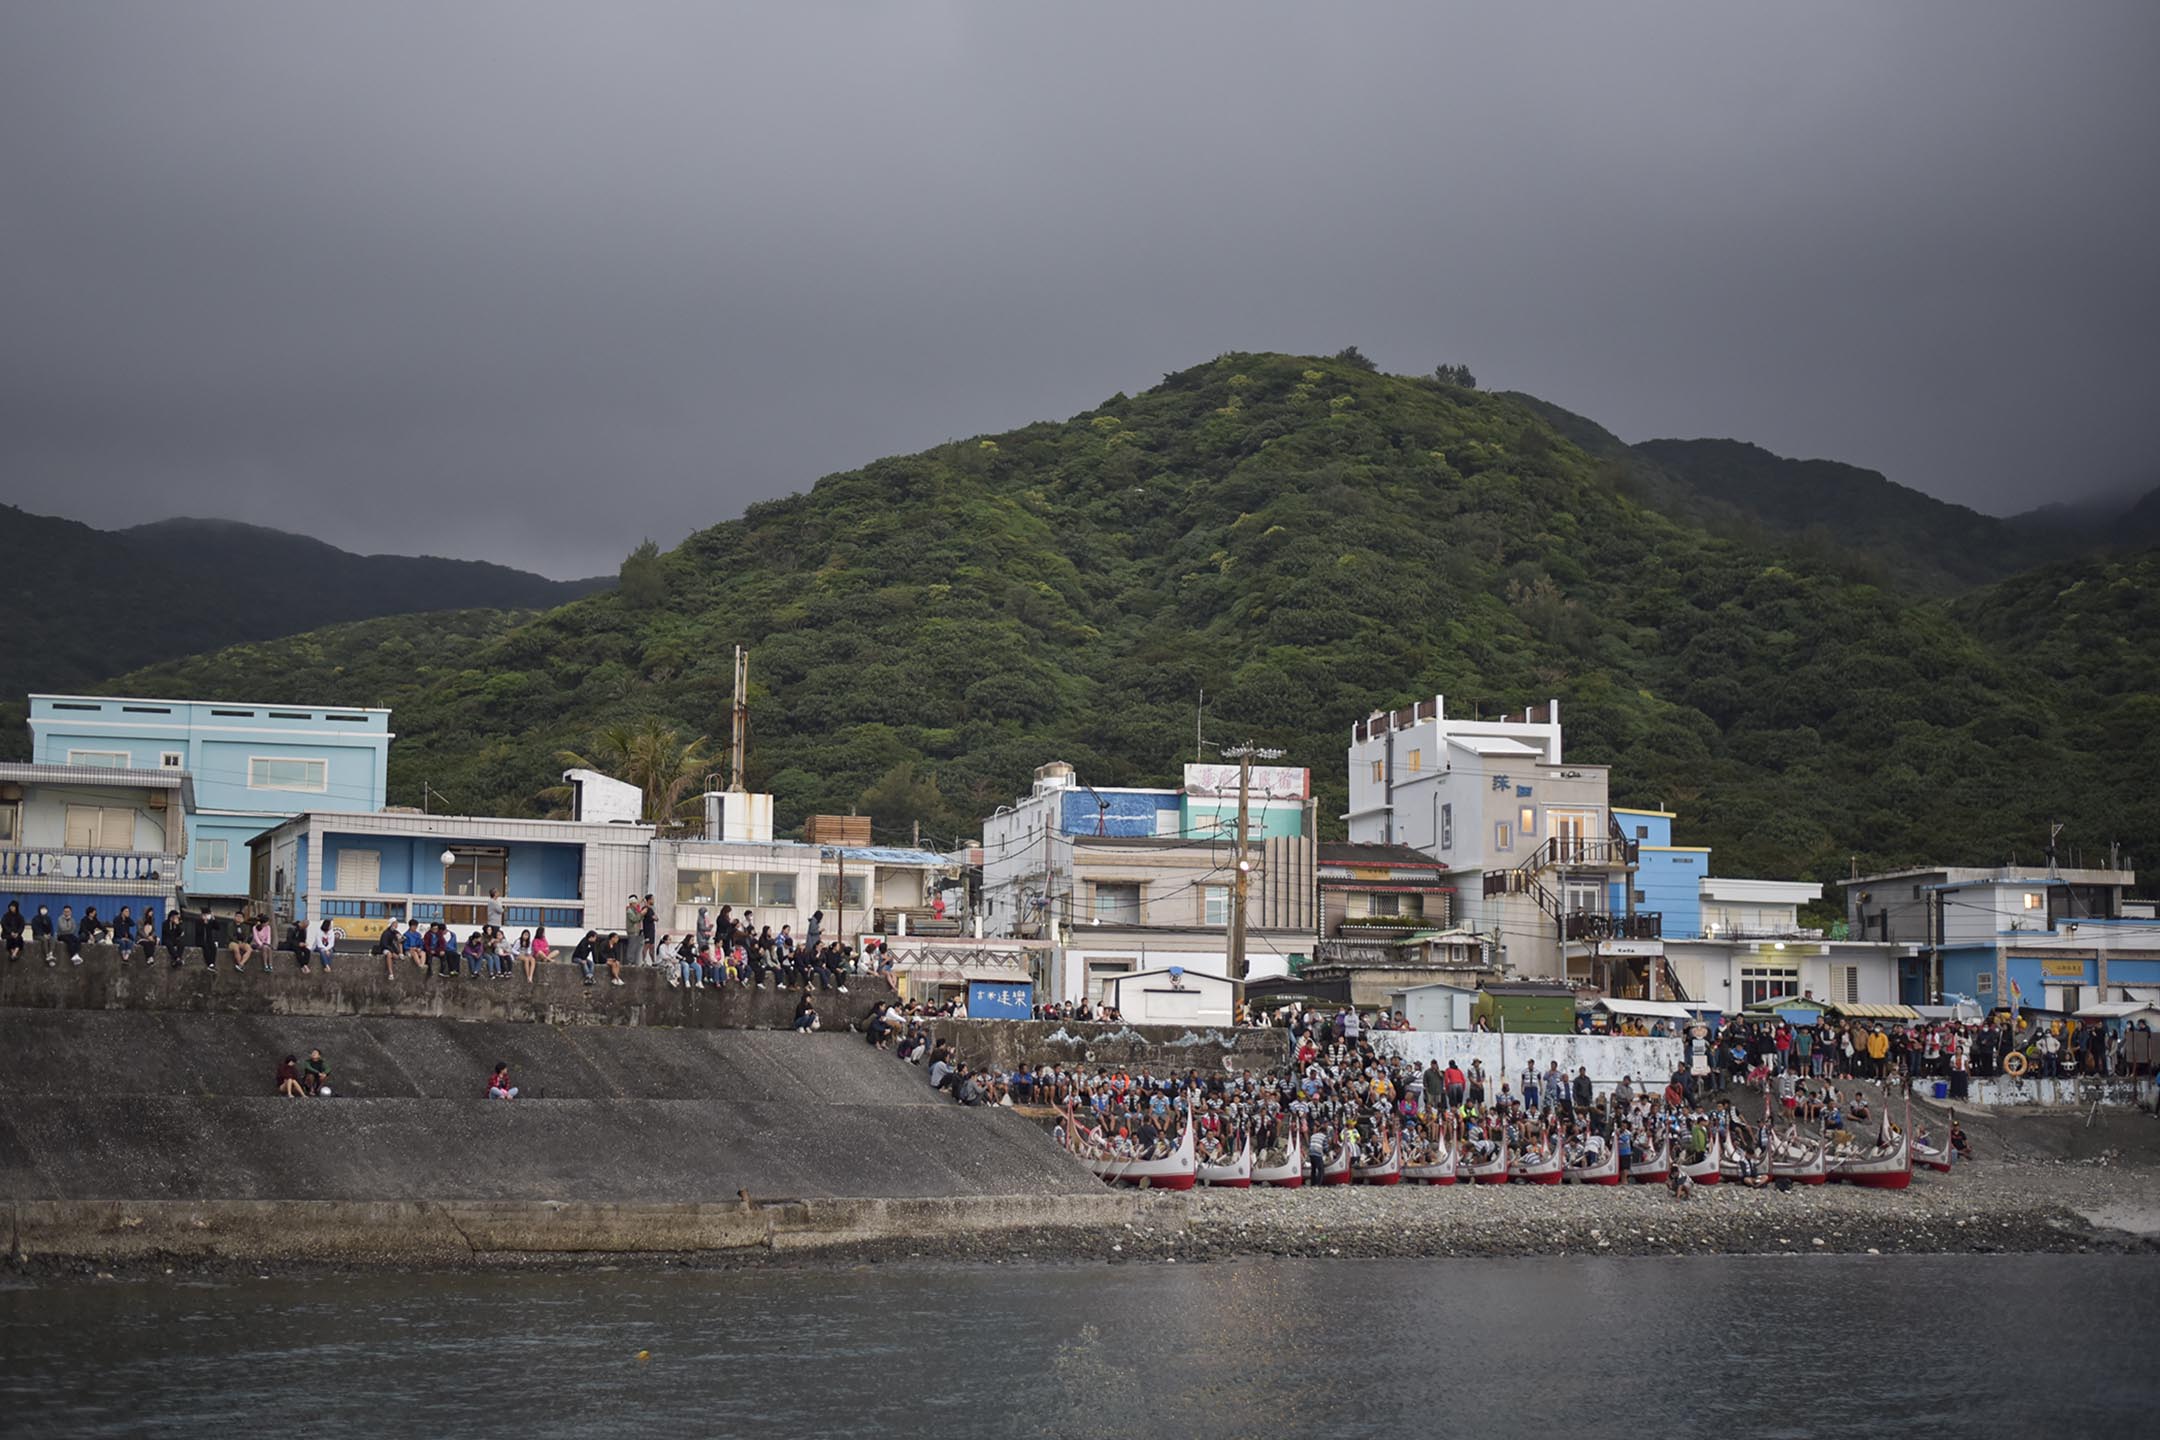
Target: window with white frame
[[99, 759], [2034, 900], [212, 855], [1759, 983], [10, 824], [359, 872], [1215, 905], [1852, 984], [1984, 983], [1503, 836], [1376, 772], [285, 772], [1447, 826], [172, 760]]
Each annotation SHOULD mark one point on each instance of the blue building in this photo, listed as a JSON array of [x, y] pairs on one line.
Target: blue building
[[91, 836], [361, 870], [251, 766], [1668, 877]]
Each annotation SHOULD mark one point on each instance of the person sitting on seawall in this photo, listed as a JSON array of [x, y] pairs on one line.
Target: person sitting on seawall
[[315, 1075], [174, 938], [70, 937], [12, 926], [390, 945], [326, 943], [499, 1086], [970, 1089], [581, 955], [288, 1079], [806, 1016], [541, 952]]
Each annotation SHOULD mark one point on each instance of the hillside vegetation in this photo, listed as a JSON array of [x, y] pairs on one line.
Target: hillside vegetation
[[83, 604], [1307, 540]]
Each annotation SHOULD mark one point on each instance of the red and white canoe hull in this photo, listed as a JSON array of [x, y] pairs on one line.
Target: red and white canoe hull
[[1605, 1172], [1287, 1176], [1655, 1169], [1493, 1171], [1927, 1157], [1440, 1170], [1887, 1167], [1237, 1175], [1705, 1170], [1176, 1171], [1387, 1172], [1337, 1169], [1808, 1168], [1542, 1171]]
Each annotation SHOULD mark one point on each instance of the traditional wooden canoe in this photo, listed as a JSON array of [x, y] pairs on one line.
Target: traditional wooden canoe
[[1175, 1171], [1930, 1157], [1705, 1170], [1491, 1172], [1800, 1160], [1337, 1169], [1237, 1174], [1387, 1172], [1538, 1170], [1289, 1175], [1439, 1169], [1885, 1165], [1653, 1168], [1604, 1172]]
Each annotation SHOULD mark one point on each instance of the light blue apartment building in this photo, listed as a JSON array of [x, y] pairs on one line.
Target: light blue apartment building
[[252, 766], [1668, 877]]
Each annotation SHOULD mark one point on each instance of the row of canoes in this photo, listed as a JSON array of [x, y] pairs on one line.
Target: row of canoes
[[1885, 1165]]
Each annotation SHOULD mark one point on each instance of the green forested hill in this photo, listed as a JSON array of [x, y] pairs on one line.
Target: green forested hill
[[1306, 540]]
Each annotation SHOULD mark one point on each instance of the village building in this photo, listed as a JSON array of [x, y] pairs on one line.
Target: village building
[[93, 835], [1124, 881], [252, 765], [2034, 937]]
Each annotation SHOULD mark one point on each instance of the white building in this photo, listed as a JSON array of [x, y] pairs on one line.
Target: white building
[[1172, 996]]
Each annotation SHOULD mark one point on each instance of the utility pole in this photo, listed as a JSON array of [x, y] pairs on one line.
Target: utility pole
[[840, 893], [739, 722], [1244, 756]]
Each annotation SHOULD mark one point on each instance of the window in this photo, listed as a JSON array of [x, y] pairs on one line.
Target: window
[[1417, 761], [10, 824], [214, 855], [100, 827], [359, 872], [745, 889], [1641, 898], [99, 759], [2033, 900], [146, 709], [1447, 826], [277, 772], [1852, 984], [290, 715], [172, 760], [1526, 822], [1215, 905], [1984, 983], [1642, 832], [1382, 902], [1759, 983], [858, 892], [1502, 840], [1101, 974], [1377, 773], [235, 714], [1117, 904]]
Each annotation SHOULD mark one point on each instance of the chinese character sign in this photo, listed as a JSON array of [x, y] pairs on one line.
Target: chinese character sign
[[991, 1000]]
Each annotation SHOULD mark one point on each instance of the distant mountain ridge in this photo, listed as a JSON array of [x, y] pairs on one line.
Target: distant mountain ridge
[[1304, 539], [84, 603]]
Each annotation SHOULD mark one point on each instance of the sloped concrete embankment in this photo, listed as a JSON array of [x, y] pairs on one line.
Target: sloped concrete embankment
[[129, 1134]]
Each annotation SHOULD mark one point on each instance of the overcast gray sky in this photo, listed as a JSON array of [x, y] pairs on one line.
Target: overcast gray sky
[[529, 281]]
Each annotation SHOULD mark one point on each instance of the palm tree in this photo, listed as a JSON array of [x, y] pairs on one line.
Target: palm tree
[[666, 768]]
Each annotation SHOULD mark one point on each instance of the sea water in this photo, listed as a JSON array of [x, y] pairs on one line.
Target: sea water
[[1838, 1346]]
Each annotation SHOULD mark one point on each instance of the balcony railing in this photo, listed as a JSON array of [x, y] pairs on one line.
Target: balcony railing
[[60, 864], [1590, 925], [1762, 932], [518, 913]]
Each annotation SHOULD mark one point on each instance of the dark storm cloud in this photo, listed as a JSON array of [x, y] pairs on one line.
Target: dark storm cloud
[[532, 281]]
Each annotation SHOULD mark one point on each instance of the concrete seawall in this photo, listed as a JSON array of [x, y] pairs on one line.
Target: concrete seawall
[[358, 986], [134, 1132]]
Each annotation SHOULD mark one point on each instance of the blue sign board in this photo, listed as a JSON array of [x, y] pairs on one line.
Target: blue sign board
[[1000, 1000]]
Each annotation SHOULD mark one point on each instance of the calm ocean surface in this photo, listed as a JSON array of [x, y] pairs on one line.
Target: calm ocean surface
[[1806, 1346]]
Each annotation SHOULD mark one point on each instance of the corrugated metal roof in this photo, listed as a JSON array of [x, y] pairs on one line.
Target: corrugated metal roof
[[1650, 1009], [1871, 1012], [890, 855]]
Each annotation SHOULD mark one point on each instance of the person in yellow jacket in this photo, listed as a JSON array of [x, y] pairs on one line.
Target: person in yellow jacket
[[1878, 1048]]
